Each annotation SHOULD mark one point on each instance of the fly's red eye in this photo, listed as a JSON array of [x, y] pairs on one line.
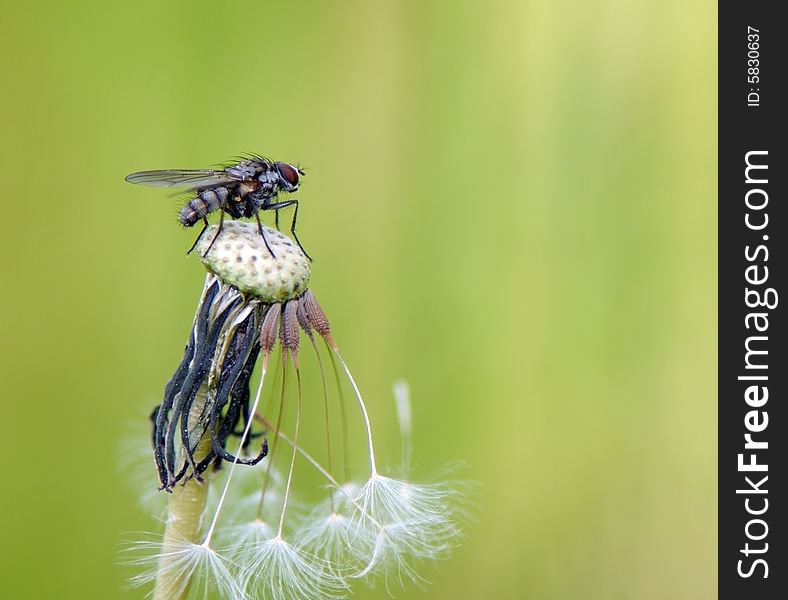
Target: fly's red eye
[[288, 172]]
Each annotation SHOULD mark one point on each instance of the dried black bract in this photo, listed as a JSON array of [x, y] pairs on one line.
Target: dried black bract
[[209, 392]]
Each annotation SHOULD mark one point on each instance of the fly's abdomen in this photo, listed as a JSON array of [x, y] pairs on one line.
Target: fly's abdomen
[[206, 201]]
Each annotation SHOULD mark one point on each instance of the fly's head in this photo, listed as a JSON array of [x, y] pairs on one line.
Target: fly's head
[[288, 176]]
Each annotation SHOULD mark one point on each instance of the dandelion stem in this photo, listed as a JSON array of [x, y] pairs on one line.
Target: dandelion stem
[[184, 520]]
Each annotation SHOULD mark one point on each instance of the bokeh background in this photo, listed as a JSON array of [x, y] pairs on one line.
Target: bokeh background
[[511, 205]]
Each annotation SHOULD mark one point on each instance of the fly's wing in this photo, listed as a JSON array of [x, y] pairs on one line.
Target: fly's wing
[[183, 178]]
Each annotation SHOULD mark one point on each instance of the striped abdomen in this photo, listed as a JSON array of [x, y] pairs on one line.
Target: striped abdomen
[[206, 201]]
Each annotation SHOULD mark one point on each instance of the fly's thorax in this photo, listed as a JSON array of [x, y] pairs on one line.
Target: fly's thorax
[[269, 181], [248, 169], [239, 257]]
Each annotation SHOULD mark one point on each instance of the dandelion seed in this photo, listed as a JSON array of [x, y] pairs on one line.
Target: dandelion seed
[[188, 570], [279, 571], [331, 534], [246, 534], [411, 523]]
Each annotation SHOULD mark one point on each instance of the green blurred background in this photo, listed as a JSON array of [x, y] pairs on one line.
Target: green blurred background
[[512, 205]]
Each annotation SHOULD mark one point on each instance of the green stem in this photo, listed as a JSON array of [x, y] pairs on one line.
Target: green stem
[[184, 524]]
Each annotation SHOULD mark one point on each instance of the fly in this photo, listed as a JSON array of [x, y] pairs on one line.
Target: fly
[[242, 190]]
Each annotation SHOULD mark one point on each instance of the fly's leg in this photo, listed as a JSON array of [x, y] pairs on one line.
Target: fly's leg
[[276, 206], [276, 220], [262, 234], [293, 228], [204, 227], [215, 235]]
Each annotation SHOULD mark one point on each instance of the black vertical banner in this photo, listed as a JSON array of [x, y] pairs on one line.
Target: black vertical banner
[[753, 371]]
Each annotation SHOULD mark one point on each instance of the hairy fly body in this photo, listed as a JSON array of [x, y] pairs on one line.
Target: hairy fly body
[[242, 190]]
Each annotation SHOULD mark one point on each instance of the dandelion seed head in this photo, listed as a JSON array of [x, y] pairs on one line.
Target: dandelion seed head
[[277, 547], [240, 258]]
